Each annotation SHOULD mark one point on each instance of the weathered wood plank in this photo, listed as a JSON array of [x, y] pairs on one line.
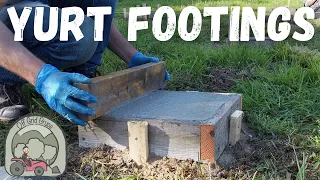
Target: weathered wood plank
[[175, 140], [138, 141], [177, 122], [123, 85]]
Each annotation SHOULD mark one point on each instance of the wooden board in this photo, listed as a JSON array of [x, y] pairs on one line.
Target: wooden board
[[207, 143], [138, 141], [181, 141], [235, 127], [123, 85], [169, 134]]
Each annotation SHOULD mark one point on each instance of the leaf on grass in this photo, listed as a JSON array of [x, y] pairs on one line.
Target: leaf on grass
[[316, 166], [81, 177]]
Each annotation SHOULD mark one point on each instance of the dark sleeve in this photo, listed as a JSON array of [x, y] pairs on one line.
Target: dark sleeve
[[24, 156]]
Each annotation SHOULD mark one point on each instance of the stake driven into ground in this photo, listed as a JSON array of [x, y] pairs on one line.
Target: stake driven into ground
[[280, 86]]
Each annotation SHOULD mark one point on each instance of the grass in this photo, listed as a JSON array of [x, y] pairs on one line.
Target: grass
[[281, 96]]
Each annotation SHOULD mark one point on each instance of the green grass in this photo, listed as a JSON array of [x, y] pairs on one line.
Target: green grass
[[281, 96], [284, 93]]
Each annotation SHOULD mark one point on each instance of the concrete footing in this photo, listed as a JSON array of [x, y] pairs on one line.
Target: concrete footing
[[182, 125]]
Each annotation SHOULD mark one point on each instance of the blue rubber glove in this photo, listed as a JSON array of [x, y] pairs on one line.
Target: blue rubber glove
[[139, 59], [57, 89]]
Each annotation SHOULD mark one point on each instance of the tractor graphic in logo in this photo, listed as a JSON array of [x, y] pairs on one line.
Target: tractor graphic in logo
[[35, 146], [20, 166]]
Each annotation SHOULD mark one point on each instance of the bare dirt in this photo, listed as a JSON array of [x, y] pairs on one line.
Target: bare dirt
[[251, 155], [223, 79], [213, 80]]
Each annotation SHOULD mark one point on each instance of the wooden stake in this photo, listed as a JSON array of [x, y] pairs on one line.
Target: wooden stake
[[138, 142], [125, 14], [235, 127], [144, 17]]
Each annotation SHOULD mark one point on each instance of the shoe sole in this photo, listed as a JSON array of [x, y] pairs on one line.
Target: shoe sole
[[7, 119]]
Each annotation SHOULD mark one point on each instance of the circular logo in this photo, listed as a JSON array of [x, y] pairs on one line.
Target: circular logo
[[35, 146]]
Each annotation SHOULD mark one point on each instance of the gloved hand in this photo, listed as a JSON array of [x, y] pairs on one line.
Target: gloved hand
[[57, 89], [139, 59]]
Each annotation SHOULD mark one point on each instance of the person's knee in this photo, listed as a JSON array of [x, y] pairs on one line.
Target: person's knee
[[112, 3], [62, 54], [71, 53], [86, 47], [29, 39]]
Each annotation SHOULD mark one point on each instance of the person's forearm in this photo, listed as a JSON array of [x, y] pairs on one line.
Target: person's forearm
[[119, 45], [16, 58]]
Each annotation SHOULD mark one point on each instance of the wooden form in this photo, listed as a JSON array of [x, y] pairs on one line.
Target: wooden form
[[181, 141], [207, 143], [235, 127], [138, 141], [123, 85], [171, 132]]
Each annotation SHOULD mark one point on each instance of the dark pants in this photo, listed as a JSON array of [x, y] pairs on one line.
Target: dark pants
[[26, 160], [81, 56]]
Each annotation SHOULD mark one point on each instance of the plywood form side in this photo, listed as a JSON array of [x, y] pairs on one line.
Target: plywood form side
[[180, 141], [221, 137]]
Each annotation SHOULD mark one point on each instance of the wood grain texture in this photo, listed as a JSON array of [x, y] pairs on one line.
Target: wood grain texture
[[123, 85], [138, 141], [181, 141], [207, 143], [167, 137]]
